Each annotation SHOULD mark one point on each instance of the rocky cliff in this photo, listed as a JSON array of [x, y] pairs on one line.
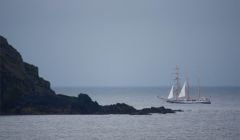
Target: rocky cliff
[[22, 91], [18, 78]]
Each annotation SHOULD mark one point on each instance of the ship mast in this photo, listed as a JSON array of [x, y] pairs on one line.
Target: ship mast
[[198, 88], [187, 85], [177, 83]]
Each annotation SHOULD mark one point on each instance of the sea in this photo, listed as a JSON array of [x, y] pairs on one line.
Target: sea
[[217, 121]]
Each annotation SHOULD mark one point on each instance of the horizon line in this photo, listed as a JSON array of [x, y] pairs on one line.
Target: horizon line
[[218, 86]]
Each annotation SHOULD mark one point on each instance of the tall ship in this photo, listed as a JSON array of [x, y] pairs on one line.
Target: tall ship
[[181, 95]]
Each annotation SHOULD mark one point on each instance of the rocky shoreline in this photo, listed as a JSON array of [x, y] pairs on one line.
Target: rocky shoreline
[[24, 92]]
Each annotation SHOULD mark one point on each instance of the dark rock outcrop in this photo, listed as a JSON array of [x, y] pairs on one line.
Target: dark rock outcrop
[[18, 79], [22, 91], [119, 108]]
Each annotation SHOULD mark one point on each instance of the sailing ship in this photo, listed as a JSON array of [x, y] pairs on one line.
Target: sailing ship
[[182, 96]]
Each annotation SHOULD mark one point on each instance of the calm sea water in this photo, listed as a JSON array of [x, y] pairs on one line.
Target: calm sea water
[[219, 120]]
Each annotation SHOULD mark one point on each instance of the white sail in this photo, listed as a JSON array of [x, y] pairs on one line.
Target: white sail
[[170, 96], [183, 91]]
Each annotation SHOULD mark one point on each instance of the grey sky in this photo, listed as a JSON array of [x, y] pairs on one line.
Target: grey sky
[[126, 42]]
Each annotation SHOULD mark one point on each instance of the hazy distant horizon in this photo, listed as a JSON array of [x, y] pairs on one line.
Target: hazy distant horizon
[[128, 43], [139, 87]]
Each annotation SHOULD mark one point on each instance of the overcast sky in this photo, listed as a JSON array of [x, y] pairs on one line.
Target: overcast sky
[[126, 42]]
